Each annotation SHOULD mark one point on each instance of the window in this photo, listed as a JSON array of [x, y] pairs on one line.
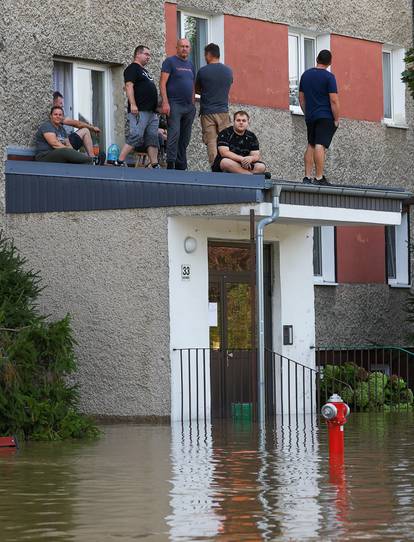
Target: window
[[86, 91], [393, 87], [397, 243], [196, 30], [200, 29], [324, 255], [303, 50]]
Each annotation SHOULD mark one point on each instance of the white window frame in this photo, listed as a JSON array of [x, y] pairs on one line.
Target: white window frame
[[322, 41], [215, 27], [106, 70], [402, 254], [398, 118], [328, 259]]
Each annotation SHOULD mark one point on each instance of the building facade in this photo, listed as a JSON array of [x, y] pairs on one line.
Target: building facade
[[112, 269]]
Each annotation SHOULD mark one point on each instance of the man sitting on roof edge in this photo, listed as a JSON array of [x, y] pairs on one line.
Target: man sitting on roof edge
[[238, 149], [52, 143]]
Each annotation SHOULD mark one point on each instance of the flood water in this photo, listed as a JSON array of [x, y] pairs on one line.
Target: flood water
[[225, 482]]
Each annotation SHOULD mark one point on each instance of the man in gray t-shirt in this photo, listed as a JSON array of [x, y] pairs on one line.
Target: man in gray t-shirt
[[213, 83], [52, 143]]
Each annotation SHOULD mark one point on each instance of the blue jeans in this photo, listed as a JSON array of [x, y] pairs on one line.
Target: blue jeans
[[180, 122]]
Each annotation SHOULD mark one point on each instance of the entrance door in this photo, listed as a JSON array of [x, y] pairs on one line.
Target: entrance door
[[232, 327]]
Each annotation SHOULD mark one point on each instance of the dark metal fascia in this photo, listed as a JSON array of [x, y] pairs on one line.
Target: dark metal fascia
[[368, 191], [100, 173]]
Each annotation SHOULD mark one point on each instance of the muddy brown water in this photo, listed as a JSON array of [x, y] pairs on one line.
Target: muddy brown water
[[225, 482]]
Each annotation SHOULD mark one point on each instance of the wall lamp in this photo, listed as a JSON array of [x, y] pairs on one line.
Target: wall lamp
[[190, 244]]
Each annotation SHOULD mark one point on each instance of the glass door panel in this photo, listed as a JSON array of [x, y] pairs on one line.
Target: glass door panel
[[90, 99], [215, 315], [238, 316]]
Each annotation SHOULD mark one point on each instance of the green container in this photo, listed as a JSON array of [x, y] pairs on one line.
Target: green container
[[242, 411]]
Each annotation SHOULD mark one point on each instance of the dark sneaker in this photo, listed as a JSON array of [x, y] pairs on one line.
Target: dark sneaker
[[100, 159], [267, 174], [307, 180], [153, 166], [120, 163], [322, 182]]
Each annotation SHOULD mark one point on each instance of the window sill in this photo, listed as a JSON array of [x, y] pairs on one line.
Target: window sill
[[296, 110], [391, 124], [318, 281], [398, 285]]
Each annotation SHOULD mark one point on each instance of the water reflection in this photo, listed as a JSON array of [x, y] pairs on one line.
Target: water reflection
[[252, 483], [277, 483], [225, 482]]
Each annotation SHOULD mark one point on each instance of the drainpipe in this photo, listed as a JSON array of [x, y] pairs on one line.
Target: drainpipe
[[260, 302]]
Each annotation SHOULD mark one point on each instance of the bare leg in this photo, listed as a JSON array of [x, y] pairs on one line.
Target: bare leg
[[319, 155], [152, 154], [126, 149], [85, 135], [259, 168], [309, 161], [230, 166]]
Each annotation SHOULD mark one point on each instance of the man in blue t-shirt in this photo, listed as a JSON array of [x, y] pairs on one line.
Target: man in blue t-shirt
[[318, 98], [213, 83], [177, 93]]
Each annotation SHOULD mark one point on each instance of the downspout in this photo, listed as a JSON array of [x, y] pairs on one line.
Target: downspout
[[261, 410]]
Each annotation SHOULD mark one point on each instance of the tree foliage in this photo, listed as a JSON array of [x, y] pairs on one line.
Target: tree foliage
[[35, 358], [408, 74]]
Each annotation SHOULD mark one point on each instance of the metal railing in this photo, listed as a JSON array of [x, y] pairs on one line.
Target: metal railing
[[193, 366], [295, 387], [367, 377], [210, 383]]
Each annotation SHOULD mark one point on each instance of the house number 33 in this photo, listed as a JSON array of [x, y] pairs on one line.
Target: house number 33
[[185, 272]]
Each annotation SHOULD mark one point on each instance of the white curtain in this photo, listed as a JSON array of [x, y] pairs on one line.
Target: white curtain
[[63, 82]]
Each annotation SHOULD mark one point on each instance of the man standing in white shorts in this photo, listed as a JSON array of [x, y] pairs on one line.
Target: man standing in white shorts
[[142, 104]]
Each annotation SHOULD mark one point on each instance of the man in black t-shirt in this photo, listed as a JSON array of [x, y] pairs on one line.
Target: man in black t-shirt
[[238, 148], [142, 104]]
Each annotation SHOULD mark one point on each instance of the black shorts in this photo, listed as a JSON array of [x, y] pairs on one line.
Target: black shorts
[[75, 141], [321, 132], [216, 164]]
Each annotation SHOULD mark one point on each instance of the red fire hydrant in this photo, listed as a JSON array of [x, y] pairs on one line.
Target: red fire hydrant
[[335, 412]]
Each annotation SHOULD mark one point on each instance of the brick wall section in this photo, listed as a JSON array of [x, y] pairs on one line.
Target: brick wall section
[[357, 65], [170, 11], [360, 254], [257, 51]]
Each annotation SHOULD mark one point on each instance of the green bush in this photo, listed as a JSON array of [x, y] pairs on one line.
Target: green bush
[[377, 383], [363, 390], [336, 377], [361, 395], [35, 358], [348, 395]]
